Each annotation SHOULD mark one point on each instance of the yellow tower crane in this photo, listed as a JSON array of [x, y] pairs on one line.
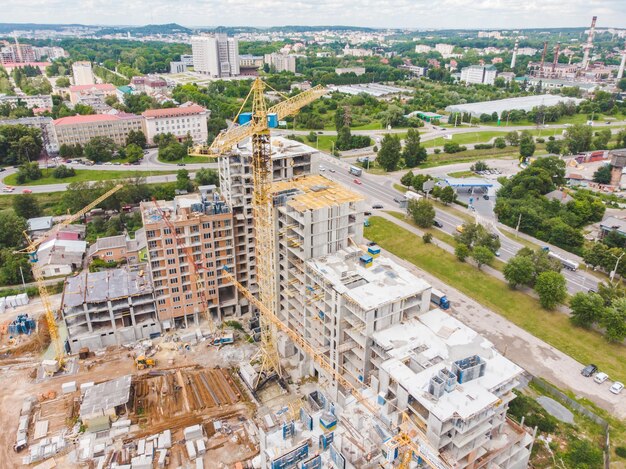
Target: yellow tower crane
[[258, 128], [31, 250]]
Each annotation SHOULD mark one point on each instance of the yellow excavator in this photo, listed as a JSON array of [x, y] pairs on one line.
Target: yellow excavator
[[141, 362]]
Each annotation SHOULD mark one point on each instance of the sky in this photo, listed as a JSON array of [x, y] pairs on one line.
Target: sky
[[438, 14]]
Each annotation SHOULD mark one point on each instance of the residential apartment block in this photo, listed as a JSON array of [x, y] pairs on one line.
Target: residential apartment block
[[216, 55], [203, 224], [83, 74], [188, 119], [112, 307], [45, 124], [17, 53], [281, 62], [30, 101], [100, 90], [479, 74], [81, 129]]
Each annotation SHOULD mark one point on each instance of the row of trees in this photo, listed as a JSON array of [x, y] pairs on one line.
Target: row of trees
[[605, 309], [19, 144], [392, 154], [476, 242], [446, 194]]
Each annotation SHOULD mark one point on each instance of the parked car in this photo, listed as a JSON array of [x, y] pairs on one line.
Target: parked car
[[331, 170], [486, 197], [497, 253], [600, 378], [367, 214], [377, 206], [437, 224], [357, 181], [589, 370], [616, 388], [322, 169], [181, 164]]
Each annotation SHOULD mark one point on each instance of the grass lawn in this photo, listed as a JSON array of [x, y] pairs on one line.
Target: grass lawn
[[462, 174], [47, 201], [190, 160], [521, 309], [464, 139], [400, 188], [438, 234], [82, 175], [376, 125], [471, 155]]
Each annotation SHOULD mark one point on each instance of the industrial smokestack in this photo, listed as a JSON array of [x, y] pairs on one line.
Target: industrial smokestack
[[620, 72], [556, 58], [514, 53], [587, 47], [543, 58]]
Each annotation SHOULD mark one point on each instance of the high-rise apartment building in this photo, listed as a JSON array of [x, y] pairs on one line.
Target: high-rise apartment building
[[17, 53], [204, 224], [289, 160], [83, 75], [479, 74], [216, 55]]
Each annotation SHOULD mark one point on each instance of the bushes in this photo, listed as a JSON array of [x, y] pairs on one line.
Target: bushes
[[453, 147], [483, 146], [61, 172]]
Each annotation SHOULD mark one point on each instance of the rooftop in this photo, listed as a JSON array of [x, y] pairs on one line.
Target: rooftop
[[526, 103], [88, 119], [61, 252], [174, 111], [421, 347], [109, 284], [39, 223], [383, 282], [96, 87], [105, 396], [183, 207], [614, 223], [560, 195], [313, 193]]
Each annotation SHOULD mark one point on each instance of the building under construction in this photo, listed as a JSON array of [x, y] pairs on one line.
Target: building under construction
[[112, 307]]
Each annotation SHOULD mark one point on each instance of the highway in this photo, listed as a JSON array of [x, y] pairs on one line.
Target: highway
[[379, 190]]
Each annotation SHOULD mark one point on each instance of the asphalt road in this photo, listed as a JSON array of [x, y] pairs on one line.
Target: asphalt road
[[379, 190]]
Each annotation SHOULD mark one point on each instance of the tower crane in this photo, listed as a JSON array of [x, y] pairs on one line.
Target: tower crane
[[403, 443], [31, 250], [193, 268], [258, 128]]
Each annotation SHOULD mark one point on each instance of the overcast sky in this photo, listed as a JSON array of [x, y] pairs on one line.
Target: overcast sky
[[477, 14]]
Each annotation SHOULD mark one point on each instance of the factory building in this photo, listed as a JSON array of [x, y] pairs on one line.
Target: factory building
[[203, 227], [112, 307]]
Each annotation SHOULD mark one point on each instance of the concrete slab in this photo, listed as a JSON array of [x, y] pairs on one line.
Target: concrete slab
[[556, 409]]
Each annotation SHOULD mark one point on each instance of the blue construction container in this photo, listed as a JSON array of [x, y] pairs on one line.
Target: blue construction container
[[366, 260], [374, 251], [245, 117], [272, 120], [328, 421]]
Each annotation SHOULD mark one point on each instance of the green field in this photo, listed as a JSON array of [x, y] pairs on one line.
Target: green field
[[462, 174], [466, 138], [552, 327], [189, 160], [82, 175]]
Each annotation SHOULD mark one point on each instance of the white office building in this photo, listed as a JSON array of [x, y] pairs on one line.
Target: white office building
[[479, 74], [281, 62], [216, 55]]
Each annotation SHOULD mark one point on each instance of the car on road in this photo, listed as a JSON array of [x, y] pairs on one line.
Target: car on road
[[322, 169], [8, 189], [600, 378], [486, 197], [497, 253], [616, 388], [108, 163], [27, 191], [367, 214], [589, 370], [181, 164], [357, 181], [377, 206], [331, 170], [2, 169], [438, 224], [460, 229]]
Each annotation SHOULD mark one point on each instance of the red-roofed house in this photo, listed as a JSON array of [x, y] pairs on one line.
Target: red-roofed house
[[101, 90], [188, 119], [81, 129]]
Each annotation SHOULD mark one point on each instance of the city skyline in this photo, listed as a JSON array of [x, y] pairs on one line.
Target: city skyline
[[480, 14]]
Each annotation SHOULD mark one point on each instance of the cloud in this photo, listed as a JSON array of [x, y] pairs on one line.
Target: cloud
[[503, 14]]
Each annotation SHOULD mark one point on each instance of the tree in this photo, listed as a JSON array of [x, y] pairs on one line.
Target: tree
[[26, 206], [63, 82], [474, 235], [550, 286], [172, 152], [603, 174], [499, 142], [578, 138], [554, 146], [62, 171], [206, 176], [479, 166], [614, 321], [512, 138], [29, 172], [482, 255], [10, 264], [462, 252], [526, 145], [587, 309], [183, 181], [137, 137], [389, 153], [520, 270], [12, 228], [99, 149], [27, 149], [407, 179], [422, 212], [447, 195], [133, 152], [413, 152]]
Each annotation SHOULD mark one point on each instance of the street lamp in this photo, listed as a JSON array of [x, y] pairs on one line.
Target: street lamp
[[612, 276]]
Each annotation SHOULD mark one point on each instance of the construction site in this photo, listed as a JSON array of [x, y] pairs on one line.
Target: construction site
[[265, 332]]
